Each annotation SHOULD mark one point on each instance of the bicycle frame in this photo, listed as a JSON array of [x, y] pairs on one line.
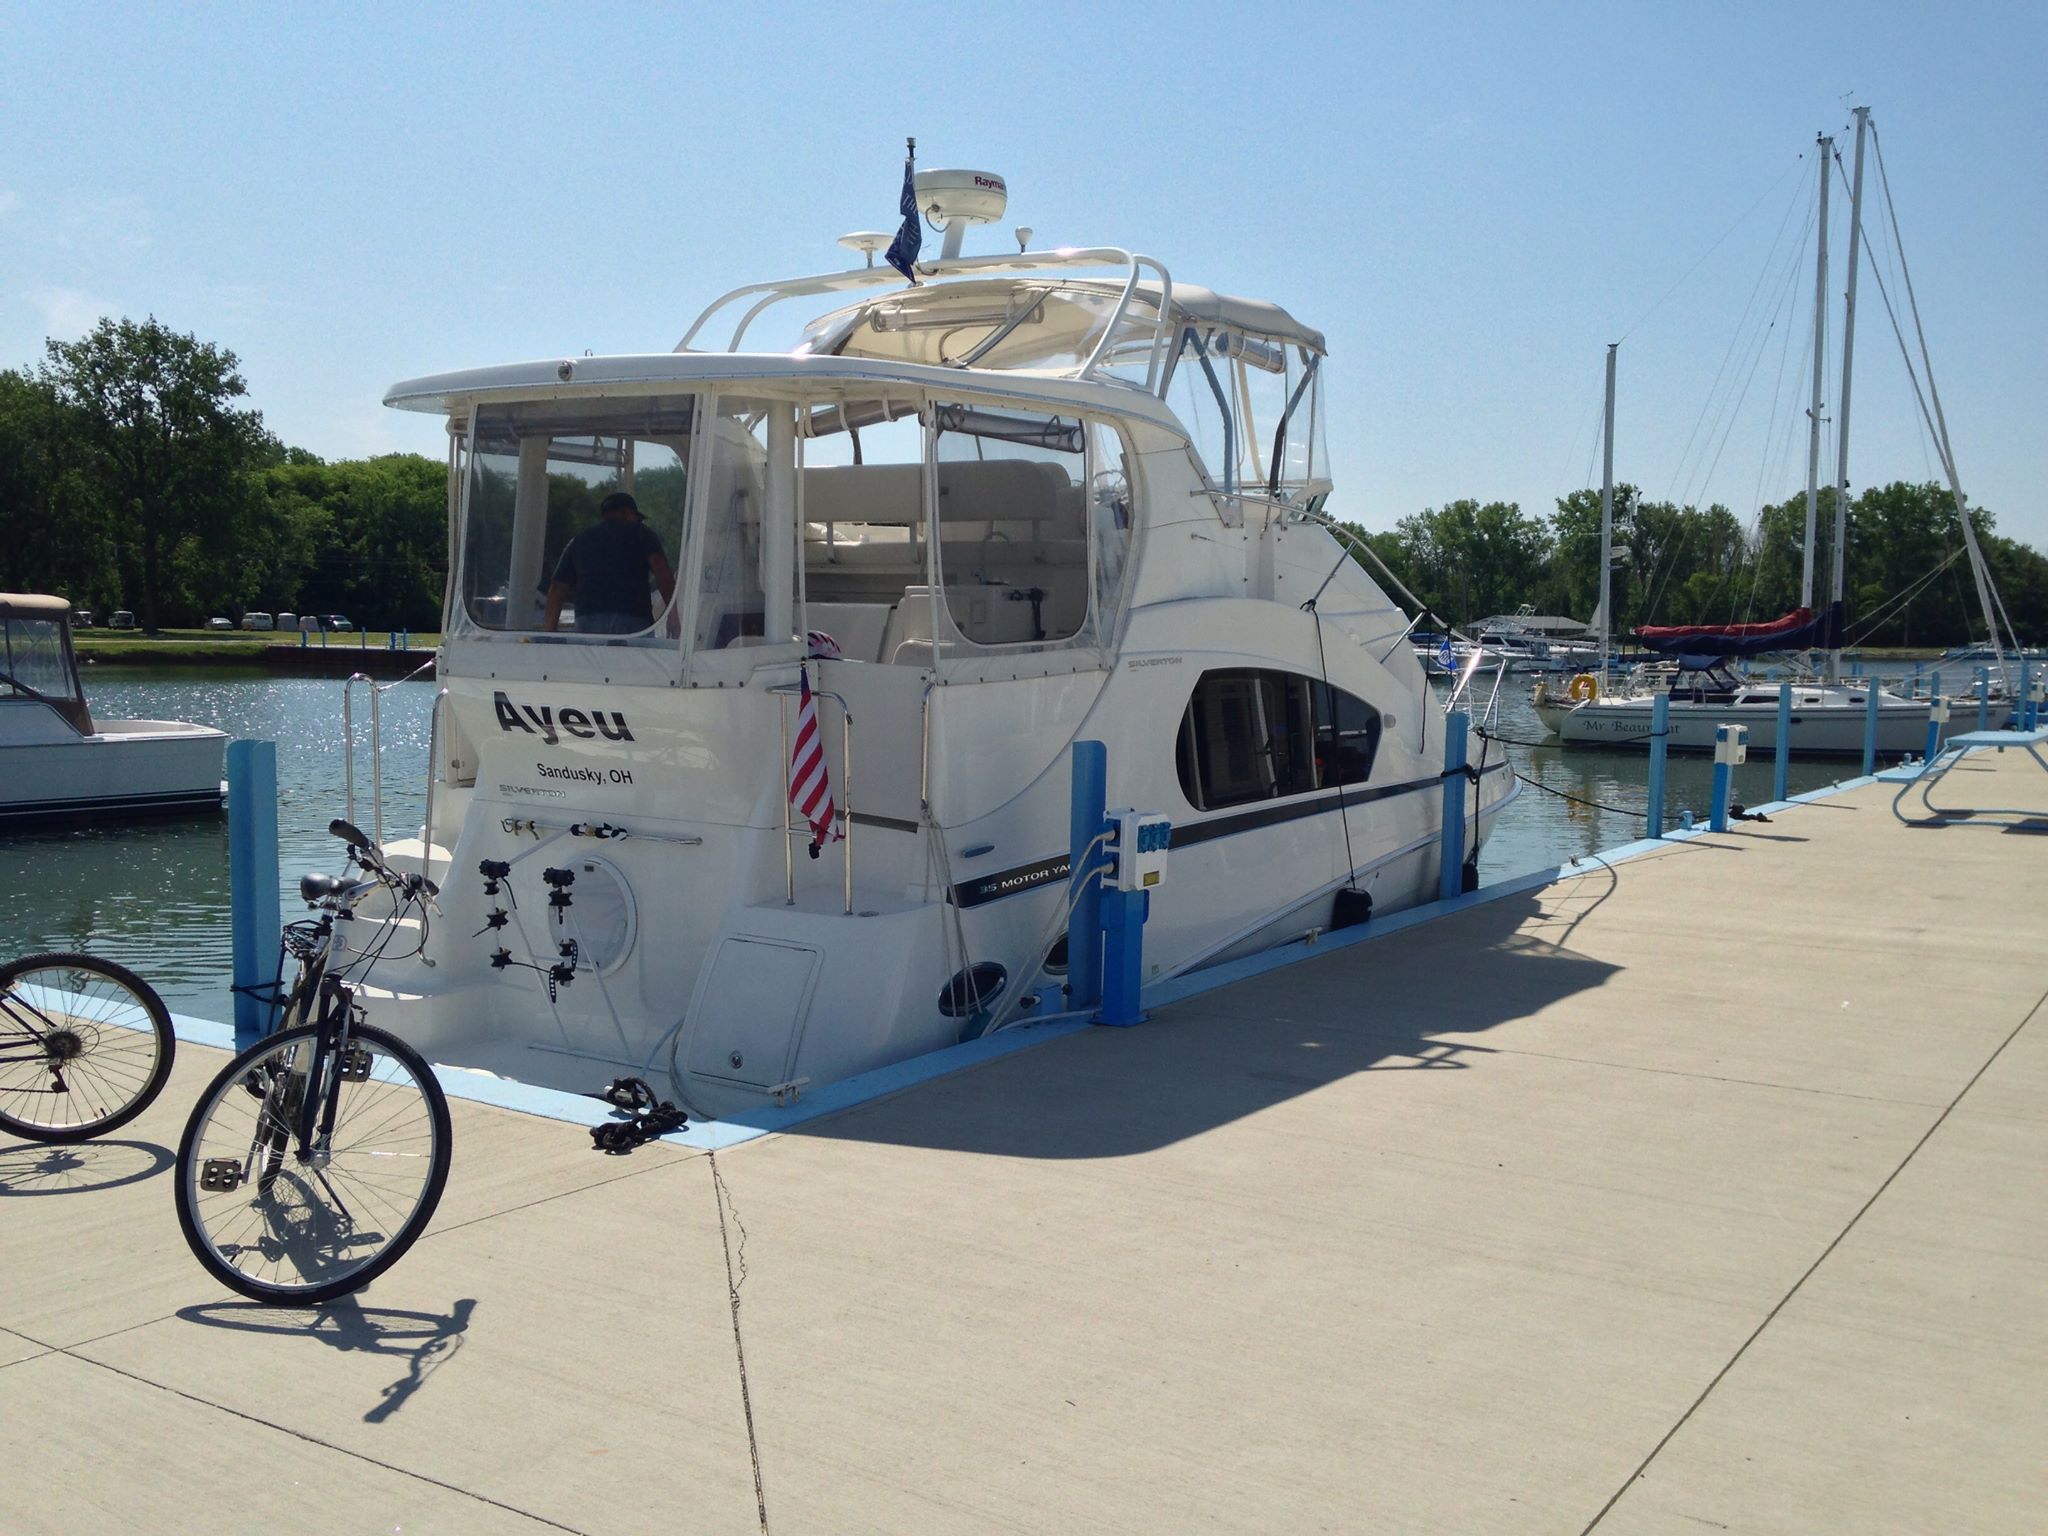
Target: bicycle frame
[[312, 1097], [21, 1038]]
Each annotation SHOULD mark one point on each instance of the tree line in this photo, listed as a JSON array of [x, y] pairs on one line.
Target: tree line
[[134, 474], [1906, 579]]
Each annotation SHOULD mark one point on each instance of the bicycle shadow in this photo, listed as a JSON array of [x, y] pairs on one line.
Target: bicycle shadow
[[425, 1340], [44, 1168]]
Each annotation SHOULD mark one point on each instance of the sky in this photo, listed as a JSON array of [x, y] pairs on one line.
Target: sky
[[1471, 201]]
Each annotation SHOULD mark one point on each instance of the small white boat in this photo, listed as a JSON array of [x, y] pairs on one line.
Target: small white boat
[[62, 765]]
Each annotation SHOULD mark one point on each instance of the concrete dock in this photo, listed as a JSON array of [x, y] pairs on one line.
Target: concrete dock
[[1702, 1192]]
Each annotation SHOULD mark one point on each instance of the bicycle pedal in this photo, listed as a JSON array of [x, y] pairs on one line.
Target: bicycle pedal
[[355, 1064], [217, 1173]]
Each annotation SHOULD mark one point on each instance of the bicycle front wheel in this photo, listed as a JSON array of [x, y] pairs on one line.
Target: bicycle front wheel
[[84, 1046], [285, 1222]]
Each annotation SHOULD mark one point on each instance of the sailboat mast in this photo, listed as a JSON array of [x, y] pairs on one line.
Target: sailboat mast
[[1820, 345], [1607, 513], [1848, 362]]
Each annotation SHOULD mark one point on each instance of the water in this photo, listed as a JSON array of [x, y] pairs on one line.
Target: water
[[1542, 829], [154, 895]]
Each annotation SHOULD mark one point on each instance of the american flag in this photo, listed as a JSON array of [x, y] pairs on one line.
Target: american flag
[[810, 787]]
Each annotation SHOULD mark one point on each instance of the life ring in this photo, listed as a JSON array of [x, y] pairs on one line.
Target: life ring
[[1585, 688]]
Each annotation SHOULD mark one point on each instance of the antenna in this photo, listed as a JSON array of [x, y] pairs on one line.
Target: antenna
[[954, 199], [867, 242]]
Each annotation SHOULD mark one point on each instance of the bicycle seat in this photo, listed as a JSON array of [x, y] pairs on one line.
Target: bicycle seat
[[314, 889]]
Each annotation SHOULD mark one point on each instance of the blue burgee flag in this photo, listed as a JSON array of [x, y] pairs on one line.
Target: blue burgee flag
[[910, 238], [1445, 657]]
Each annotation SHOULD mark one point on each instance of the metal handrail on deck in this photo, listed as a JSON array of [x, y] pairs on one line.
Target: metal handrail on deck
[[348, 746], [1023, 263]]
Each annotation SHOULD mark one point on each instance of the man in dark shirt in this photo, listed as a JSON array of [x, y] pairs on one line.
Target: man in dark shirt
[[605, 568]]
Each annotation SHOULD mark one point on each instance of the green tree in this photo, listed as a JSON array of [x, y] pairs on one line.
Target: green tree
[[364, 537], [1468, 560], [164, 451]]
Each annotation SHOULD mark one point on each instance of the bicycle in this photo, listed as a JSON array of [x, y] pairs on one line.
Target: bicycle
[[85, 1045], [315, 1158]]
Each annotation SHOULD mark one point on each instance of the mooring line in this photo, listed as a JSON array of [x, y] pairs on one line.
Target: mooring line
[[1785, 1300], [734, 1279]]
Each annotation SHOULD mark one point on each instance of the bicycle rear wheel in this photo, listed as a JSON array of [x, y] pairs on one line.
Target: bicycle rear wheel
[[84, 1046], [274, 1223]]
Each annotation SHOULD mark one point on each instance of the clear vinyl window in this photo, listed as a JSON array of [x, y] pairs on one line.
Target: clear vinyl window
[[540, 548]]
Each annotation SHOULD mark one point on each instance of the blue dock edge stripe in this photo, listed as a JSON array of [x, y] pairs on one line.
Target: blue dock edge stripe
[[866, 1088]]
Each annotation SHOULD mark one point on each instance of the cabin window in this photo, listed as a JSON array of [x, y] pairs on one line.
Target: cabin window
[[38, 664], [866, 560], [1261, 735], [749, 524], [1111, 516], [538, 476], [1013, 525]]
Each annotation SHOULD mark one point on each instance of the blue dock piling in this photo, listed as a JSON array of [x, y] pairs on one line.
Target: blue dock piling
[[1660, 740], [1086, 814], [1781, 756], [2029, 710], [1983, 698], [1729, 749], [1123, 955], [1451, 877], [1870, 730], [1936, 714], [254, 918]]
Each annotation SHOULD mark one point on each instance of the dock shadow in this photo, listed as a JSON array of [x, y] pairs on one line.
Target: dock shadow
[[426, 1341], [46, 1168], [1221, 1056]]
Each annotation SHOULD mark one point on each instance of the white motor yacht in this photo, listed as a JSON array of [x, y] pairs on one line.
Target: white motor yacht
[[1035, 498], [60, 764]]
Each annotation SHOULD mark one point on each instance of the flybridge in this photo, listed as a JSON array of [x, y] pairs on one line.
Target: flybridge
[[548, 723]]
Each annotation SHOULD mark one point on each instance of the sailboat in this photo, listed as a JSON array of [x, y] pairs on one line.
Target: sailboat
[[1828, 716]]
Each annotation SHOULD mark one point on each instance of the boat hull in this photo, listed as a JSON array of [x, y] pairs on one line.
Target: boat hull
[[1817, 730], [126, 768]]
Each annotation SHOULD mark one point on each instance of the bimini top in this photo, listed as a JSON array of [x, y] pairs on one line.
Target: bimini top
[[38, 604]]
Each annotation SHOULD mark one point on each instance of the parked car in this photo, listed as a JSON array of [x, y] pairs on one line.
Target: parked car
[[82, 619], [258, 621], [122, 619], [220, 623], [339, 621]]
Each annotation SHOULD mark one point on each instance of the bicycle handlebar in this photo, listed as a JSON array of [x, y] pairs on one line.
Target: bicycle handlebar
[[371, 857]]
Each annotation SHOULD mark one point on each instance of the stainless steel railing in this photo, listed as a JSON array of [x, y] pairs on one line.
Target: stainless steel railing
[[348, 746]]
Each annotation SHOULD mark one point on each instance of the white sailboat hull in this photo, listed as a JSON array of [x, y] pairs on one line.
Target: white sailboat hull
[[1835, 728]]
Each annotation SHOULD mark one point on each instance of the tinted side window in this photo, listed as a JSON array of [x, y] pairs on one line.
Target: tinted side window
[[1347, 736], [1258, 735]]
